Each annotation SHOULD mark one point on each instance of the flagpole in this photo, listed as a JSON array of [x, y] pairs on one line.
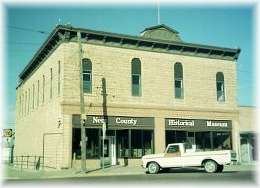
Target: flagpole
[[158, 12]]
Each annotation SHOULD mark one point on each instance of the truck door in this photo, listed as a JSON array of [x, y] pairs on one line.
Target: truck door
[[172, 157]]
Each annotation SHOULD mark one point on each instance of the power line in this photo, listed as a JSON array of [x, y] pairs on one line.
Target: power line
[[24, 43], [28, 29]]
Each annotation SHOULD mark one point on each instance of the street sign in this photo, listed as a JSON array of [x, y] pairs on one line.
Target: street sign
[[7, 133]]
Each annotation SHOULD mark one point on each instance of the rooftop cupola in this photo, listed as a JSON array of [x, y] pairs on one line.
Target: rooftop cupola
[[161, 32]]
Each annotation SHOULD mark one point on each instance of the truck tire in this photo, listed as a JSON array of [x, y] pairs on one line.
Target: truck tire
[[210, 166], [153, 168], [220, 168]]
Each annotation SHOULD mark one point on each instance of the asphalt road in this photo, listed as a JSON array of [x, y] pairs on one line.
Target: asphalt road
[[173, 177]]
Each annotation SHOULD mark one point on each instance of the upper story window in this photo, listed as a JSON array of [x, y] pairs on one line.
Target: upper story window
[[87, 75], [38, 92], [25, 103], [178, 81], [136, 77], [58, 77], [220, 86], [33, 97], [29, 92], [22, 104], [50, 83], [43, 88]]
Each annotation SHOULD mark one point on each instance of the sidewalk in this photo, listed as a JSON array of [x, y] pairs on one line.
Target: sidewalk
[[15, 174]]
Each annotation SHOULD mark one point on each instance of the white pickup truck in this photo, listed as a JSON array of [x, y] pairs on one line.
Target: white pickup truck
[[176, 155]]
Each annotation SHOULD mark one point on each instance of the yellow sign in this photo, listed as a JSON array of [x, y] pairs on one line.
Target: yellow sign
[[7, 133]]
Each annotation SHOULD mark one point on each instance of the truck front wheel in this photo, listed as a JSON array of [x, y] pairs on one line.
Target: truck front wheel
[[153, 168], [210, 166]]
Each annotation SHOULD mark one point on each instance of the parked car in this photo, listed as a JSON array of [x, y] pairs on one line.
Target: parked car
[[176, 155]]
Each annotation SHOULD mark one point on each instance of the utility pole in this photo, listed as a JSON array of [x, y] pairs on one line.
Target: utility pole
[[82, 109], [104, 126]]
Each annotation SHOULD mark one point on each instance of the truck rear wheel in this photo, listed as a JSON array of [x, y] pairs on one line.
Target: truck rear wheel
[[153, 168], [210, 166], [220, 168]]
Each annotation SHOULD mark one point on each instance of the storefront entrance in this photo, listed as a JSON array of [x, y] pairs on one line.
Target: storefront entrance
[[109, 150], [125, 138], [247, 147]]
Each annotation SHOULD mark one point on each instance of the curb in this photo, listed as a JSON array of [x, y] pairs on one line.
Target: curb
[[79, 176]]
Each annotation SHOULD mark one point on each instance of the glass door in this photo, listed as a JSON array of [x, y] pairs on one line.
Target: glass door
[[109, 151], [112, 149]]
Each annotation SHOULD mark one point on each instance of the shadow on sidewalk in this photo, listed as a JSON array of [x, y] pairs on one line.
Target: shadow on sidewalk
[[107, 168], [188, 170]]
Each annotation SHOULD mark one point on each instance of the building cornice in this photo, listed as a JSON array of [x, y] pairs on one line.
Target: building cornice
[[63, 33], [234, 111]]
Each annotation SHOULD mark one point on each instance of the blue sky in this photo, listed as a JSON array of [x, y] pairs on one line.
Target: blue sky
[[225, 26]]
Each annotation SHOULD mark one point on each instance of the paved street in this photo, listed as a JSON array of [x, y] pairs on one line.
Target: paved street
[[178, 176], [240, 174]]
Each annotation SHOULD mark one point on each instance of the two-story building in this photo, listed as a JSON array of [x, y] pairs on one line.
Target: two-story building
[[151, 90]]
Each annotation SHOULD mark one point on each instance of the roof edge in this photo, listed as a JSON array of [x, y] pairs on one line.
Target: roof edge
[[110, 34]]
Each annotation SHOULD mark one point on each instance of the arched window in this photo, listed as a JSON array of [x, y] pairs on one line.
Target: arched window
[[220, 86], [136, 77], [178, 81], [87, 75]]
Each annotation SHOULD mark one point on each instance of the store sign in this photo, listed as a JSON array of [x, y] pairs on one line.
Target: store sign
[[118, 120], [216, 124], [115, 121], [197, 124], [181, 123]]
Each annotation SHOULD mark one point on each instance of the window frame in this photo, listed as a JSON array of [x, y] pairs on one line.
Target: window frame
[[59, 78], [220, 79], [51, 78], [133, 74], [178, 79], [89, 73], [43, 89], [176, 146]]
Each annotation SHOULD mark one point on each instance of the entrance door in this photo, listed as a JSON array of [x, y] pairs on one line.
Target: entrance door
[[244, 149], [109, 150]]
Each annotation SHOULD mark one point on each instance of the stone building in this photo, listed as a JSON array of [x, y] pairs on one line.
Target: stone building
[[248, 134], [158, 90]]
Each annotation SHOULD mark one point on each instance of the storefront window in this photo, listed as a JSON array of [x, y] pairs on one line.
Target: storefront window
[[221, 140], [210, 140], [181, 136], [122, 143], [169, 136], [141, 143], [147, 142], [92, 143], [202, 140], [136, 143]]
